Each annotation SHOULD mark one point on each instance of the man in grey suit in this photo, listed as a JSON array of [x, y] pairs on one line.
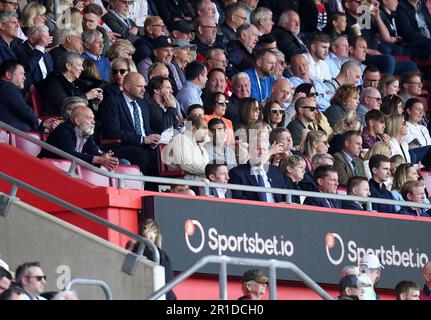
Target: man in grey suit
[[347, 162]]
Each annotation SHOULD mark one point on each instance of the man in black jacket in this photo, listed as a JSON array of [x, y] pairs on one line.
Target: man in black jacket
[[326, 179], [356, 186], [76, 138]]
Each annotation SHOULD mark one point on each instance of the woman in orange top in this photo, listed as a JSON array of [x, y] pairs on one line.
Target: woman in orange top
[[215, 105]]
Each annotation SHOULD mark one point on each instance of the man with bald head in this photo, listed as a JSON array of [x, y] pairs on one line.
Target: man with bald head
[[426, 291], [282, 93], [301, 74], [206, 37], [305, 115], [288, 34], [126, 119], [350, 73], [75, 137]]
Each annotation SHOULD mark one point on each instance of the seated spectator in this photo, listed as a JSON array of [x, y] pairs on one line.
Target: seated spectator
[[154, 27], [218, 173], [215, 105], [396, 160], [76, 138], [320, 122], [350, 288], [388, 85], [347, 162], [181, 189], [249, 110], [375, 129], [369, 99], [407, 290], [337, 24], [267, 41], [301, 74], [14, 293], [253, 285], [319, 159], [93, 45], [216, 59], [195, 110], [262, 75], [346, 99], [326, 179], [350, 121], [261, 17], [236, 16], [60, 85], [182, 57], [282, 93], [218, 150], [426, 291], [257, 173], [8, 35], [5, 280], [274, 114], [392, 105], [411, 85], [216, 82], [304, 120], [187, 152], [414, 109], [14, 110], [70, 41], [241, 88], [414, 191], [30, 277], [404, 172], [356, 186], [293, 168], [350, 73], [65, 295], [180, 30], [120, 67], [171, 10], [281, 135], [206, 37], [381, 148], [288, 35], [240, 51], [118, 21], [380, 171], [396, 128], [121, 48], [339, 55], [91, 15], [371, 77], [32, 14], [196, 76], [318, 49]]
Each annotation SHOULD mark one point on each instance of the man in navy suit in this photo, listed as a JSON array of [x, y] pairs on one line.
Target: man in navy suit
[[126, 117], [37, 63], [258, 173], [356, 186], [13, 109], [326, 179], [9, 27], [76, 138], [218, 173]]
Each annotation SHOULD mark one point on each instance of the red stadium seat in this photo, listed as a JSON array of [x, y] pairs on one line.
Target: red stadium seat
[[163, 168], [95, 178], [35, 100], [25, 145], [129, 184], [341, 190], [62, 164], [4, 136]]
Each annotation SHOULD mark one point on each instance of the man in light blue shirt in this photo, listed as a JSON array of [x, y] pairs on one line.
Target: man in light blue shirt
[[196, 76], [338, 55], [263, 75]]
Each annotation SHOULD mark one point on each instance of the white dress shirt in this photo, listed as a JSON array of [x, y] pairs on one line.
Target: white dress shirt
[[319, 69], [258, 170]]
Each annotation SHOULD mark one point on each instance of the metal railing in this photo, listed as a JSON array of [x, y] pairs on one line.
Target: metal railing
[[131, 260], [223, 261], [91, 282], [206, 186]]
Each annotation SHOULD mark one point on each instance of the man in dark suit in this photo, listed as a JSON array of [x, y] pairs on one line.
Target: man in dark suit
[[37, 63], [380, 172], [125, 117], [70, 41], [9, 27], [258, 173], [117, 20], [326, 179], [13, 109], [347, 162], [218, 173], [356, 186], [76, 138]]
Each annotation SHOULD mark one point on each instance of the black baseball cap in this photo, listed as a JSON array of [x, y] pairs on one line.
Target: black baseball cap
[[181, 26], [254, 275], [163, 42]]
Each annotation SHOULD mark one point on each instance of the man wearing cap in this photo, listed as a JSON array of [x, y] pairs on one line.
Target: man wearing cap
[[182, 57], [181, 30], [163, 51], [370, 269], [154, 27], [350, 288], [253, 285]]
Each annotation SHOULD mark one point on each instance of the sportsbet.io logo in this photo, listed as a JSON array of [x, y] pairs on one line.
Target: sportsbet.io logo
[[190, 230], [331, 240]]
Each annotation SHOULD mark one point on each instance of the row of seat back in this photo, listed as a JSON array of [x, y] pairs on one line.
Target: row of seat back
[[163, 167], [4, 136]]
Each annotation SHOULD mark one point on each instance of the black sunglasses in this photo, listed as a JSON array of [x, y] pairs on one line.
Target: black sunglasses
[[38, 278], [312, 109], [280, 111], [121, 71]]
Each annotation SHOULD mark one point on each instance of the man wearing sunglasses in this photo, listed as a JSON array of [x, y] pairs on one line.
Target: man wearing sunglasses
[[305, 115], [30, 277]]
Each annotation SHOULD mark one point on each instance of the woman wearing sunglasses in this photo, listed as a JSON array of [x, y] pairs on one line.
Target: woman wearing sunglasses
[[120, 67], [215, 105], [274, 114]]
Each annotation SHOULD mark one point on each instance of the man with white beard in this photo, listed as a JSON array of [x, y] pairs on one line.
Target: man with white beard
[[75, 137]]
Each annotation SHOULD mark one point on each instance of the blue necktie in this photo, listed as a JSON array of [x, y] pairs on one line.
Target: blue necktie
[[136, 121], [261, 183]]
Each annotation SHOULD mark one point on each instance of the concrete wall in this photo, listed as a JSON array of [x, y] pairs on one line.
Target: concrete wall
[[66, 252]]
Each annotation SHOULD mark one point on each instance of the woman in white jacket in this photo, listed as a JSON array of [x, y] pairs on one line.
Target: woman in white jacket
[[396, 128]]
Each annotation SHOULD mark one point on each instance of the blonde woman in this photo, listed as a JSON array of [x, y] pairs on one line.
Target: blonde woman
[[314, 142], [120, 67], [121, 48], [405, 172], [396, 128], [32, 14], [378, 148], [388, 85]]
